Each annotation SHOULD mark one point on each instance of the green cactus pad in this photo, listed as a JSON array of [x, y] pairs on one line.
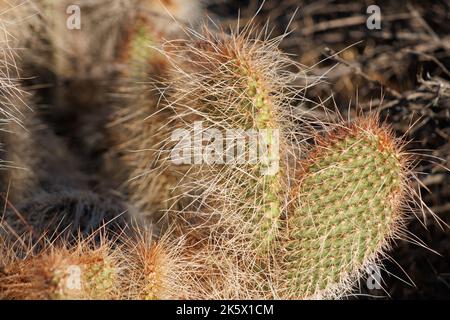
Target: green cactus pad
[[227, 86], [347, 207], [261, 115], [269, 187]]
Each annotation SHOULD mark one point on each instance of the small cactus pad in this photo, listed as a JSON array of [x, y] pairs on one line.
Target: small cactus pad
[[60, 273], [347, 207]]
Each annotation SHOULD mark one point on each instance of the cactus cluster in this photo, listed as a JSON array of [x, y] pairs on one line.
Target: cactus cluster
[[300, 218], [314, 209]]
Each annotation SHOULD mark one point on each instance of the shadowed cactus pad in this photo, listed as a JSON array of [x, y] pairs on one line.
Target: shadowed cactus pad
[[348, 207], [138, 125], [141, 58]]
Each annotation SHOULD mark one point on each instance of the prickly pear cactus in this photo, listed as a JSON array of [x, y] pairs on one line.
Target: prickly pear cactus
[[232, 83], [61, 273], [319, 228], [348, 207], [143, 61]]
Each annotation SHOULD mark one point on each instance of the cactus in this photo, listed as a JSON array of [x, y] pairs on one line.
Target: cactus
[[232, 83], [237, 83], [82, 271], [124, 267], [11, 96], [155, 270], [348, 206], [149, 23], [283, 225], [349, 202], [142, 60], [137, 131]]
